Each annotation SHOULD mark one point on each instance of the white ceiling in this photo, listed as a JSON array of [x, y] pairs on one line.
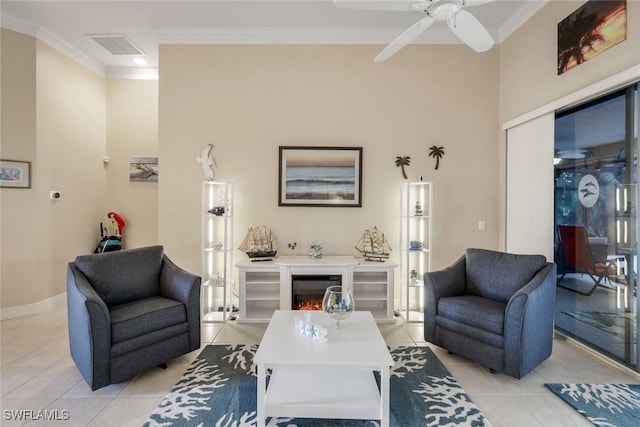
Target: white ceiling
[[148, 23]]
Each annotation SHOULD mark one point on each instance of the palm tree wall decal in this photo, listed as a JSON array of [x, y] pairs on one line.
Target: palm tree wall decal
[[437, 153], [401, 162]]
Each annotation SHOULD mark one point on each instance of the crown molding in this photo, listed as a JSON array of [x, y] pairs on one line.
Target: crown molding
[[54, 41], [132, 73], [253, 35], [44, 35], [18, 25], [518, 18]]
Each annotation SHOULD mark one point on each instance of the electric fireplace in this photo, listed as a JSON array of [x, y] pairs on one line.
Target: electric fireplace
[[307, 290]]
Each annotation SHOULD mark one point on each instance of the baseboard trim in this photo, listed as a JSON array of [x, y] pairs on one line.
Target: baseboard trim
[[31, 309]]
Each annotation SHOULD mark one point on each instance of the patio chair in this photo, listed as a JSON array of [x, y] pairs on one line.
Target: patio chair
[[579, 257]]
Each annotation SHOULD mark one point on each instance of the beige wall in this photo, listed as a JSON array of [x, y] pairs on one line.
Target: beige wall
[[528, 58], [71, 102], [132, 131], [65, 119], [248, 100], [18, 244], [65, 139]]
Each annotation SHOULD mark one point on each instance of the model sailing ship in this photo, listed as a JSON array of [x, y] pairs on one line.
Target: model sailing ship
[[260, 244], [373, 246]]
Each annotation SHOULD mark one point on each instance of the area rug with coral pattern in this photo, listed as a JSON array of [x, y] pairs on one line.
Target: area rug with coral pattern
[[219, 389], [610, 405]]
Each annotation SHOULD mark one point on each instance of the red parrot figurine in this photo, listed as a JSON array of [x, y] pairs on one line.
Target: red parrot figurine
[[117, 218]]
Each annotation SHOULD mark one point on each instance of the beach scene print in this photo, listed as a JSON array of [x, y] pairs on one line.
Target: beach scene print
[[320, 175], [15, 174], [10, 174], [143, 169]]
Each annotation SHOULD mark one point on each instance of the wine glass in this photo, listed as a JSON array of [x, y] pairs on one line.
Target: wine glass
[[338, 303]]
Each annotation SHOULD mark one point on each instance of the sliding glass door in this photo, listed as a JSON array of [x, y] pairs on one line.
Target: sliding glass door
[[595, 220]]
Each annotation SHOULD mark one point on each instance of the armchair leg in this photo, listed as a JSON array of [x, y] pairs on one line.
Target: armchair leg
[[163, 366]]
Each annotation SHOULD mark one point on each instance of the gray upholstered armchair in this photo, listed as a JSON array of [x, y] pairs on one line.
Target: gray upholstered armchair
[[129, 311], [493, 308]]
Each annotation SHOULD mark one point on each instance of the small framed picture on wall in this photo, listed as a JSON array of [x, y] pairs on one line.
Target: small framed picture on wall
[[15, 174], [143, 169]]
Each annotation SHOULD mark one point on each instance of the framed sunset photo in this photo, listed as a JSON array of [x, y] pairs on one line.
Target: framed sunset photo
[[593, 28]]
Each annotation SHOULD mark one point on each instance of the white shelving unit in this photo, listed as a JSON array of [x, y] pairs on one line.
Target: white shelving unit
[[416, 202], [217, 250], [259, 291], [373, 288], [266, 286]]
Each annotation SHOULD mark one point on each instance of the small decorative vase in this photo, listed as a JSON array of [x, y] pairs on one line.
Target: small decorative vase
[[338, 303], [315, 250]]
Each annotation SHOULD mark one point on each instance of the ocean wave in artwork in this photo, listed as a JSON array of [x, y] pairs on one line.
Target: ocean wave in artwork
[[321, 183]]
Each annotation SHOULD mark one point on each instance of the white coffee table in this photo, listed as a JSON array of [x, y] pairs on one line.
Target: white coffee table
[[332, 379]]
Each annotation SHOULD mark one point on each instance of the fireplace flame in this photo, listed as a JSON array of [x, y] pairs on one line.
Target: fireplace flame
[[310, 304]]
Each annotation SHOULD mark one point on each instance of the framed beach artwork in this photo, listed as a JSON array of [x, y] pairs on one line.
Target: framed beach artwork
[[593, 28], [15, 174], [143, 169], [320, 176]]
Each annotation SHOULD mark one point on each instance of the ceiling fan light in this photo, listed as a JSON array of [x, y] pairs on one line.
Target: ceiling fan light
[[571, 154], [445, 9]]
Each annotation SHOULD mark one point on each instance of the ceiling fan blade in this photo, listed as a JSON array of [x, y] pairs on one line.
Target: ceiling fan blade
[[469, 3], [400, 5], [471, 31], [405, 38]]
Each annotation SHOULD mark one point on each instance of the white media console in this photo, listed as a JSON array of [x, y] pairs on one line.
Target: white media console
[[266, 286]]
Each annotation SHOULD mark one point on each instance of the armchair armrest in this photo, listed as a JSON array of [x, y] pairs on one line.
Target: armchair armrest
[[180, 285], [529, 322], [447, 282], [437, 284], [89, 329]]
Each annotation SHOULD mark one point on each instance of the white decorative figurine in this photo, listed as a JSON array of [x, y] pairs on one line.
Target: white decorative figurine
[[207, 162], [306, 327], [418, 208]]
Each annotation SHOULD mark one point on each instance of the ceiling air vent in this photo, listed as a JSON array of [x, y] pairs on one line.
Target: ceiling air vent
[[116, 44]]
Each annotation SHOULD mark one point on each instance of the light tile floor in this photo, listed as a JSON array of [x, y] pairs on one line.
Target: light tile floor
[[36, 372]]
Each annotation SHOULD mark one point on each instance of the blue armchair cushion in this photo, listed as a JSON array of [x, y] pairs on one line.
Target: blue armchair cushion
[[123, 276], [455, 330], [134, 319], [481, 313], [482, 278]]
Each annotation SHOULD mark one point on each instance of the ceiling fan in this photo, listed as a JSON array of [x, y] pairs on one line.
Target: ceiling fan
[[462, 23]]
